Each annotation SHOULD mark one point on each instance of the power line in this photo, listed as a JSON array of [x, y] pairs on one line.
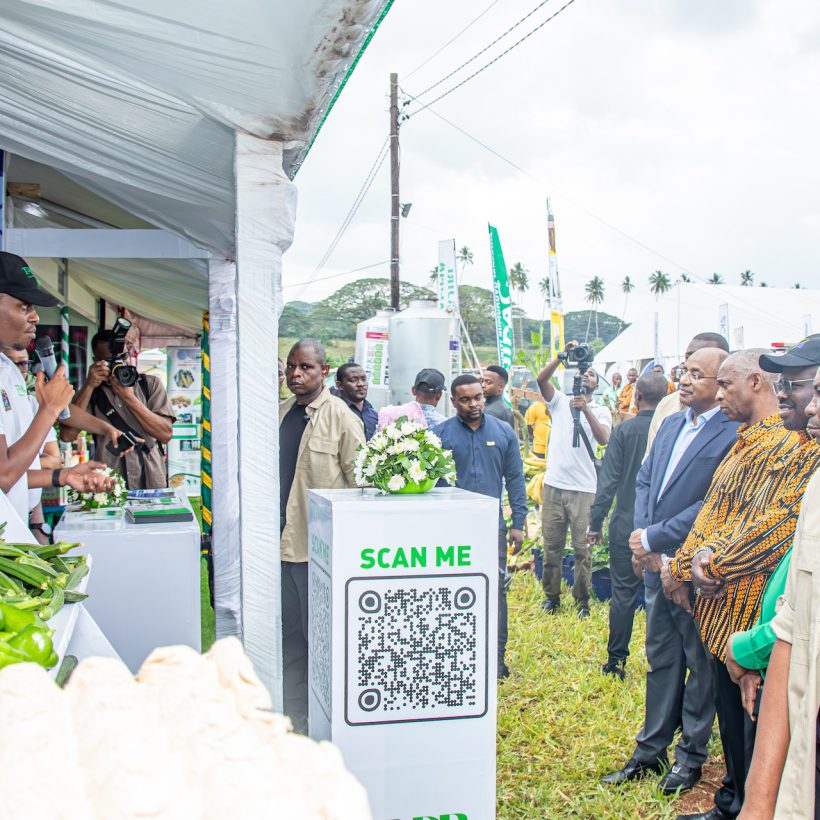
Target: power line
[[336, 275], [483, 50], [450, 41], [368, 182], [487, 65]]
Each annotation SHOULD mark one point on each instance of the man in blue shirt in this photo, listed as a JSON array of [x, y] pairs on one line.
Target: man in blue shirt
[[487, 457], [351, 381]]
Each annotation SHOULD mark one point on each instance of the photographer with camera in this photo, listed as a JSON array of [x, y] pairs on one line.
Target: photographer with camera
[[570, 480], [136, 404]]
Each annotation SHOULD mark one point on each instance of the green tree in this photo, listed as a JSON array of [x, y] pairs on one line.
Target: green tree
[[465, 256], [434, 275], [659, 283], [684, 277], [747, 279], [478, 314], [627, 286], [519, 282], [715, 279], [594, 290], [797, 284]]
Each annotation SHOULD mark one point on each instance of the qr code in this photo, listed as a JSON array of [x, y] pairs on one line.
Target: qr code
[[320, 635], [416, 648]]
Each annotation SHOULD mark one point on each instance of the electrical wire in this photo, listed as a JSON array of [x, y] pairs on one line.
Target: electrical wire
[[487, 65], [483, 50], [335, 275], [450, 41], [368, 182]]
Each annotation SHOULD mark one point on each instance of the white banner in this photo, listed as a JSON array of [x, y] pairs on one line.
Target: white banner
[[447, 281], [723, 320]]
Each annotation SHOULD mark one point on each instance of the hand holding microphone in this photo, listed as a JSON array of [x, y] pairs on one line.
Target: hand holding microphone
[[57, 392]]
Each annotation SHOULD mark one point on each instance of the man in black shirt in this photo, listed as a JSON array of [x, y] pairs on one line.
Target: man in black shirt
[[622, 461], [290, 437], [351, 382], [494, 381]]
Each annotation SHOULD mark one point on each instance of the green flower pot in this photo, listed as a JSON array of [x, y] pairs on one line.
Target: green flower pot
[[411, 488]]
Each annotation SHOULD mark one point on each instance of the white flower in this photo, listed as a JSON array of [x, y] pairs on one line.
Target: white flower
[[417, 472], [393, 432], [370, 469], [101, 498], [396, 483], [393, 450], [379, 441], [408, 428], [411, 445], [432, 438]]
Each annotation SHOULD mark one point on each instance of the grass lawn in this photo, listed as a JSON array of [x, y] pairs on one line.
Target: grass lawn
[[562, 725]]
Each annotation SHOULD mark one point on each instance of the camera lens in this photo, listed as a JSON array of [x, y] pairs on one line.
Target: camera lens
[[126, 374]]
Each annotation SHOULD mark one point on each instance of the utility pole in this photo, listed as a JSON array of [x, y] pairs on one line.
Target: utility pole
[[394, 191]]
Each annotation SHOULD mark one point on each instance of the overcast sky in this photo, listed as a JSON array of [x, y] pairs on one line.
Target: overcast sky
[[691, 126]]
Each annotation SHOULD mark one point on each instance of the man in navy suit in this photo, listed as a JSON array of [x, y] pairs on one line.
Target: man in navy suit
[[669, 492]]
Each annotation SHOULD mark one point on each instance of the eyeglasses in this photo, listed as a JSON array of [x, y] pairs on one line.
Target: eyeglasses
[[694, 375], [787, 385], [24, 365]]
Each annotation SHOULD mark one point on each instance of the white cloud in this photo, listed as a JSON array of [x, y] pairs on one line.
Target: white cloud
[[689, 125]]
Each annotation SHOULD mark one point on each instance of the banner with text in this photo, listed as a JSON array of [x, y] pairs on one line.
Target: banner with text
[[447, 281], [502, 304]]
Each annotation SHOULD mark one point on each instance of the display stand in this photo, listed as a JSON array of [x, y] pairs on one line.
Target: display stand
[[144, 590], [403, 643]]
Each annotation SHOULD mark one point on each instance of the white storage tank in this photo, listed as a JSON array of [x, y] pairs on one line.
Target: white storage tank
[[372, 353], [423, 336]]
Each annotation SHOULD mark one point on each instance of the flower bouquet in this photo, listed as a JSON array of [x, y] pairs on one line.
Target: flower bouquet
[[404, 458], [115, 497]]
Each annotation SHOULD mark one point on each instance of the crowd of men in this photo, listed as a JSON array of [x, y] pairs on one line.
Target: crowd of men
[[33, 410], [707, 471]]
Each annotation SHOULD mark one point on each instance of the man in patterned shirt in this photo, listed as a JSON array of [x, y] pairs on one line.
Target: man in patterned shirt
[[743, 529]]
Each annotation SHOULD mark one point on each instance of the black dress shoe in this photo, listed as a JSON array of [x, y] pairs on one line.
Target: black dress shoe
[[679, 778], [583, 611], [615, 668], [634, 770], [550, 606], [503, 670], [713, 814]]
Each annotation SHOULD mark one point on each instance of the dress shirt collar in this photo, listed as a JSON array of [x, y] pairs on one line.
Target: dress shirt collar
[[702, 418], [748, 435], [467, 426]]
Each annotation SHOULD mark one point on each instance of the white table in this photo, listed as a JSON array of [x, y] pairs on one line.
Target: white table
[[144, 589]]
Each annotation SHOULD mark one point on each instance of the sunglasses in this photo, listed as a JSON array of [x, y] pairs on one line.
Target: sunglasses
[[787, 385]]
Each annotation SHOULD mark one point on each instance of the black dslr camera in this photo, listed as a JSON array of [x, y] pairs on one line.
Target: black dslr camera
[[125, 374], [581, 357]]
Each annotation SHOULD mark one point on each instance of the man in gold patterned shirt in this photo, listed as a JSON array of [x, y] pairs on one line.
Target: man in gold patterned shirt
[[743, 529]]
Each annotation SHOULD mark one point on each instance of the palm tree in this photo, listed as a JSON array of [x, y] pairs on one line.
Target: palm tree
[[747, 279], [594, 295], [465, 256], [685, 277], [520, 282], [434, 275], [659, 282], [764, 284], [797, 284], [627, 286], [715, 279]]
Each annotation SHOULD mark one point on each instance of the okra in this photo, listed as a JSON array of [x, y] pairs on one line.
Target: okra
[[56, 603], [73, 597], [39, 563], [77, 575], [33, 576], [10, 584]]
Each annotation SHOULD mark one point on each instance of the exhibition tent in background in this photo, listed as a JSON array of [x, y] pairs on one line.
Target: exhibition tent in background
[[189, 119]]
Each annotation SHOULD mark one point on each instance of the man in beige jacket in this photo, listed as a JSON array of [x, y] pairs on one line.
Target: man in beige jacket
[[318, 440], [784, 778]]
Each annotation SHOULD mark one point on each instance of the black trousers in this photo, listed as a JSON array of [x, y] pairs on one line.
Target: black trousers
[[625, 589], [295, 644], [737, 734]]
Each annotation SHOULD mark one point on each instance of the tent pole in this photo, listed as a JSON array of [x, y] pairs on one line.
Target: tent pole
[[265, 212]]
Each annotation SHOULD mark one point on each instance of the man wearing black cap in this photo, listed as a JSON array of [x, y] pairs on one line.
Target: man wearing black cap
[[427, 390], [22, 431]]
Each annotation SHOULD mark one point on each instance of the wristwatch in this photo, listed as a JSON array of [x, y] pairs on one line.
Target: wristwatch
[[43, 528]]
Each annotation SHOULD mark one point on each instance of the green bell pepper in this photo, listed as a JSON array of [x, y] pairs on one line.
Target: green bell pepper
[[35, 643]]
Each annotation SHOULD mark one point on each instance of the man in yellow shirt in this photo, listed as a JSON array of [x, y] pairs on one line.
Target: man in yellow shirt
[[539, 422]]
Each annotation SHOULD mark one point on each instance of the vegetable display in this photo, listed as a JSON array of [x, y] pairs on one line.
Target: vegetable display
[[35, 582], [191, 737]]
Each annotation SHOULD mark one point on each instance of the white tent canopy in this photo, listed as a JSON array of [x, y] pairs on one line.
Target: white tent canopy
[[747, 317], [187, 116]]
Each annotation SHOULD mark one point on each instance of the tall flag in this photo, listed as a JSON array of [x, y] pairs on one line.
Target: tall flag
[[502, 304], [554, 298], [447, 283]]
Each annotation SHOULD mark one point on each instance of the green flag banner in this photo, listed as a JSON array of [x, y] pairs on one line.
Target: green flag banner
[[502, 303]]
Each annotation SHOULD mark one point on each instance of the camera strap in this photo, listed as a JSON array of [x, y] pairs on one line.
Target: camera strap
[[588, 445]]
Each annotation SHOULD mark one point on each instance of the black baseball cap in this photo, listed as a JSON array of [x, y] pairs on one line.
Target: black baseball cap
[[18, 280], [432, 379], [803, 354]]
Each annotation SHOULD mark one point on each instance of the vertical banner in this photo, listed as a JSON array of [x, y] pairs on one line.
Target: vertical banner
[[502, 304], [2, 199], [206, 470], [723, 320], [447, 282], [185, 392], [807, 322], [554, 299], [656, 348]]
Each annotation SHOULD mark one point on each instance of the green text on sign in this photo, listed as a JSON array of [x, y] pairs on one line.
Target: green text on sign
[[416, 557]]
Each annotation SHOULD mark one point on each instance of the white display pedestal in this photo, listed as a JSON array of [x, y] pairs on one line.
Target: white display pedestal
[[403, 646], [144, 588]]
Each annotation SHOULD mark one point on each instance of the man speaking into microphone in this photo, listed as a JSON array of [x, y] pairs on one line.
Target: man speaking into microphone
[[22, 431]]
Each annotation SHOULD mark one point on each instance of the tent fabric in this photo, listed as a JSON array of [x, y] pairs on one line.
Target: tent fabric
[[757, 317], [139, 104]]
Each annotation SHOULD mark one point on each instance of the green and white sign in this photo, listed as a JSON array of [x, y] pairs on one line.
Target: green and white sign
[[403, 646], [502, 303]]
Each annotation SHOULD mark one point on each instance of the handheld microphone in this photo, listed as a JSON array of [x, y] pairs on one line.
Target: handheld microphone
[[45, 350]]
